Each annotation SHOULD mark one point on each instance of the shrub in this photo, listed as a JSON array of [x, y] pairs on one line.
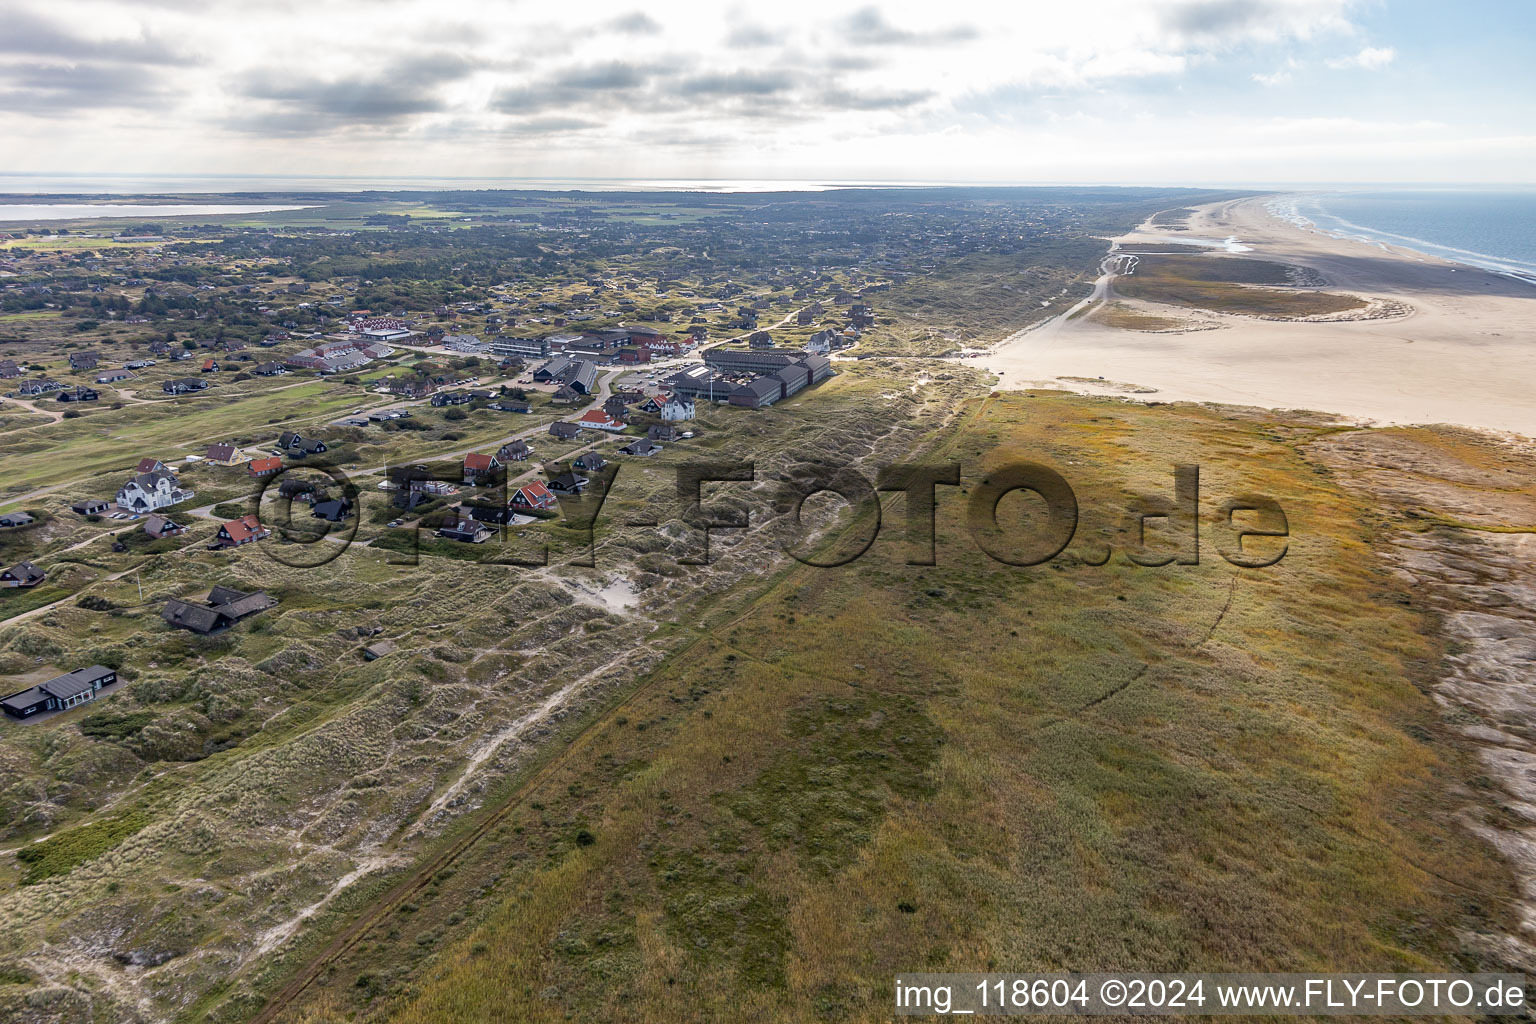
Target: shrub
[[109, 725], [62, 852]]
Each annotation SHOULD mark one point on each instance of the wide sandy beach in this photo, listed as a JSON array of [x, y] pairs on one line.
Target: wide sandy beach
[[1464, 354]]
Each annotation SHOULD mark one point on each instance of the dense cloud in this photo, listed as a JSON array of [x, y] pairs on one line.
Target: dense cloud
[[53, 89], [31, 35], [530, 88]]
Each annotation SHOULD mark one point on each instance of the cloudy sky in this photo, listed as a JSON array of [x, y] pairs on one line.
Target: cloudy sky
[[1186, 91]]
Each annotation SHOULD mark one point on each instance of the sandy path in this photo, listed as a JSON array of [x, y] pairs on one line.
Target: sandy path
[[1466, 354]]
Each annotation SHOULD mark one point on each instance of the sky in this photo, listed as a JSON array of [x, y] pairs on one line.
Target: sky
[[1199, 92]]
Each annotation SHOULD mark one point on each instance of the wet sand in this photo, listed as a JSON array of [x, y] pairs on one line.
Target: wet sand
[[1465, 353]]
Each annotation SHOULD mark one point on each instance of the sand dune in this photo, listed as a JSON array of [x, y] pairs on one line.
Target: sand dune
[[1465, 353]]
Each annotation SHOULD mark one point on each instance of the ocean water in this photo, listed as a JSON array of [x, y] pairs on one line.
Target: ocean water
[[27, 212], [1495, 230]]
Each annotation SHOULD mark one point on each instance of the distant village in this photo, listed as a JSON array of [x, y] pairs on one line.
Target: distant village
[[611, 336]]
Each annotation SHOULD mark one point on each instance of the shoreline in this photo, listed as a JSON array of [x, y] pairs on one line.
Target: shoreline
[[1364, 234], [1457, 355]]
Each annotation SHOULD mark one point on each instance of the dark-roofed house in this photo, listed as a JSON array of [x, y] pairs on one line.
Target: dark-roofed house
[[159, 527], [298, 444], [225, 455], [499, 515], [84, 360], [661, 432], [91, 506], [22, 574], [568, 484], [333, 511], [225, 606], [591, 462], [514, 451], [640, 446], [60, 692], [11, 519], [183, 385], [465, 528], [301, 489], [510, 405], [244, 530], [564, 431]]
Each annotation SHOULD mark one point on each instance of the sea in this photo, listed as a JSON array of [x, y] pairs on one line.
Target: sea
[[1491, 229]]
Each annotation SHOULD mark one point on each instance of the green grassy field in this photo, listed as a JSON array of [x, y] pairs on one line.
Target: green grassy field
[[106, 438]]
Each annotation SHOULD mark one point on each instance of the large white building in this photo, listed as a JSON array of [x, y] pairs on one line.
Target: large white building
[[145, 492]]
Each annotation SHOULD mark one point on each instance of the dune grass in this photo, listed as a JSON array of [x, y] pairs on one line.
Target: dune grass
[[1227, 285], [1126, 318], [851, 773]]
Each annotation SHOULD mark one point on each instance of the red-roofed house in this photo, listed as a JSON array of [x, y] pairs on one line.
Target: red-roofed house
[[598, 419], [535, 495], [149, 465], [264, 467], [241, 531], [479, 467]]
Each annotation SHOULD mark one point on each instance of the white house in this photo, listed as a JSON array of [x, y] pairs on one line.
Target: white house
[[675, 409], [145, 492], [597, 419]]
